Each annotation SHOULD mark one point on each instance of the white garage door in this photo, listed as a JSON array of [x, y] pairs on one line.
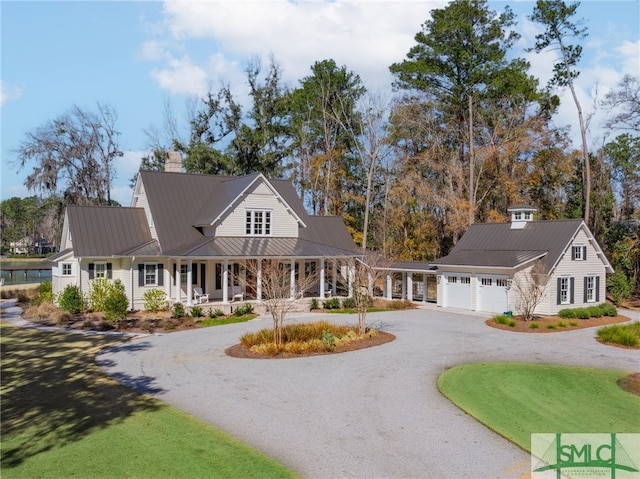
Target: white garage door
[[457, 291], [492, 294]]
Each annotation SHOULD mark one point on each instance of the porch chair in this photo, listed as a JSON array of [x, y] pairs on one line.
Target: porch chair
[[236, 291], [199, 297]]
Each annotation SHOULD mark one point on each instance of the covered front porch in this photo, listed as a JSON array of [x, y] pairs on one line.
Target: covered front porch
[[226, 281]]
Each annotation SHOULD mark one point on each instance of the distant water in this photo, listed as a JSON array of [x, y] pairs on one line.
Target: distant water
[[19, 276]]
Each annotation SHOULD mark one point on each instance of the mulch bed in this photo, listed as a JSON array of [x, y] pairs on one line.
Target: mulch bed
[[631, 383], [240, 351], [522, 326]]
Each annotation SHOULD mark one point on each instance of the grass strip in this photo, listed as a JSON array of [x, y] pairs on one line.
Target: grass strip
[[62, 417], [518, 399]]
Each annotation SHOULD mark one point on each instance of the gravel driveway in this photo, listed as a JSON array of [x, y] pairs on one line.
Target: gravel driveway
[[371, 413]]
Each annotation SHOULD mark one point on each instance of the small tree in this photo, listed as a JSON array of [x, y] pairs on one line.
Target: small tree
[[71, 299], [530, 289], [276, 286], [365, 271]]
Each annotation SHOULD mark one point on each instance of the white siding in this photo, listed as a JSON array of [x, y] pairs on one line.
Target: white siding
[[283, 223], [576, 269], [140, 200]]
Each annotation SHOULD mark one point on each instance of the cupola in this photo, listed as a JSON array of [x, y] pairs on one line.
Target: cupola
[[521, 215]]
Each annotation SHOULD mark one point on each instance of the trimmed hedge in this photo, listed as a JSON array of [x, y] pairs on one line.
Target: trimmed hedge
[[595, 311]]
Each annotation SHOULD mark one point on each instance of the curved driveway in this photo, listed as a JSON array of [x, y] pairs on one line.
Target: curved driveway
[[371, 413]]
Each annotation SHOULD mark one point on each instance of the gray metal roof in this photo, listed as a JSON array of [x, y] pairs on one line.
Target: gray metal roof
[[103, 231], [497, 245], [261, 247], [179, 202]]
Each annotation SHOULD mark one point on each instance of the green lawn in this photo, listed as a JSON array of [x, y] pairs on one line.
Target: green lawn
[[516, 399], [61, 417]]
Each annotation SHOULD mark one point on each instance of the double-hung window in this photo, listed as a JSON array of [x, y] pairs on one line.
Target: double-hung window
[[258, 222], [579, 253], [100, 270], [590, 289], [67, 269], [150, 274], [564, 290]]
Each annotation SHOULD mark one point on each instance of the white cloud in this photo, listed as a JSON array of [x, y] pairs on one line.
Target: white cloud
[[181, 76], [366, 37], [630, 52], [9, 92]]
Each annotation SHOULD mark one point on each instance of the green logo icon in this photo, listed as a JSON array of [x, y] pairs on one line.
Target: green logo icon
[[585, 455]]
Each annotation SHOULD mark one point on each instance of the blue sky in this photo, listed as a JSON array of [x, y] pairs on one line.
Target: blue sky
[[137, 56]]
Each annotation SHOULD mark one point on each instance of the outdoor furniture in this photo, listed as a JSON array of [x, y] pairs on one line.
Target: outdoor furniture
[[199, 297], [236, 291]]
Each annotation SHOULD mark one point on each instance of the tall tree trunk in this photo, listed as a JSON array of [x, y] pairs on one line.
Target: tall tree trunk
[[472, 190]]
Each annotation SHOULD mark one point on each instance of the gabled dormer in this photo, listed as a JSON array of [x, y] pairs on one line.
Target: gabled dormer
[[521, 215]]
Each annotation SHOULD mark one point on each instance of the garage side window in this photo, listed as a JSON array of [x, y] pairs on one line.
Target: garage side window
[[487, 281], [452, 279], [465, 280]]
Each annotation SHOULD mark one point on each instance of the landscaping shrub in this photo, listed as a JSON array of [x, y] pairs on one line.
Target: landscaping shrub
[[178, 311], [62, 318], [155, 300], [214, 313], [626, 335], [595, 311], [99, 291], [403, 304], [196, 312], [42, 298], [328, 340], [246, 308], [332, 303], [349, 303], [567, 313], [502, 319], [314, 304], [534, 325], [305, 337], [619, 286], [608, 310], [71, 299], [116, 303]]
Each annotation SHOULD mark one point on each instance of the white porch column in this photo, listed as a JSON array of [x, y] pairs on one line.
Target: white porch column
[[409, 286], [389, 286], [178, 282], [189, 282], [321, 278], [424, 287], [259, 280], [292, 280], [334, 278], [225, 282], [166, 278], [404, 285], [350, 274]]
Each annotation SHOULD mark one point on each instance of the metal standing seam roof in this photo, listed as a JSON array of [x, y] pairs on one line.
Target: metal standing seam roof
[[104, 231], [179, 202], [260, 247], [497, 245]]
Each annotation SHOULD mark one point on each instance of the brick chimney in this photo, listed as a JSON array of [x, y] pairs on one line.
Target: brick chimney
[[173, 163]]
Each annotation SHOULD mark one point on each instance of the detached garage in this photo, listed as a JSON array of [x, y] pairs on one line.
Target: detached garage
[[495, 266]]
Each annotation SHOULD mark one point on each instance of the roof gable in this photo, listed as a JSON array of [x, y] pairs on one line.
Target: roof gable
[[226, 195], [497, 245]]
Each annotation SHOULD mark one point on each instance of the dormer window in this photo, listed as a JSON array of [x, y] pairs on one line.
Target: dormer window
[[517, 215], [258, 223]]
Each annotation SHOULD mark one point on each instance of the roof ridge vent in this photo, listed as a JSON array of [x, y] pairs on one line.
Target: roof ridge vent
[[521, 215]]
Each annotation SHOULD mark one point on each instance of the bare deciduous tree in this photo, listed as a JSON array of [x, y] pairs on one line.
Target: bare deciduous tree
[[363, 272], [73, 156], [279, 291], [531, 288]]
